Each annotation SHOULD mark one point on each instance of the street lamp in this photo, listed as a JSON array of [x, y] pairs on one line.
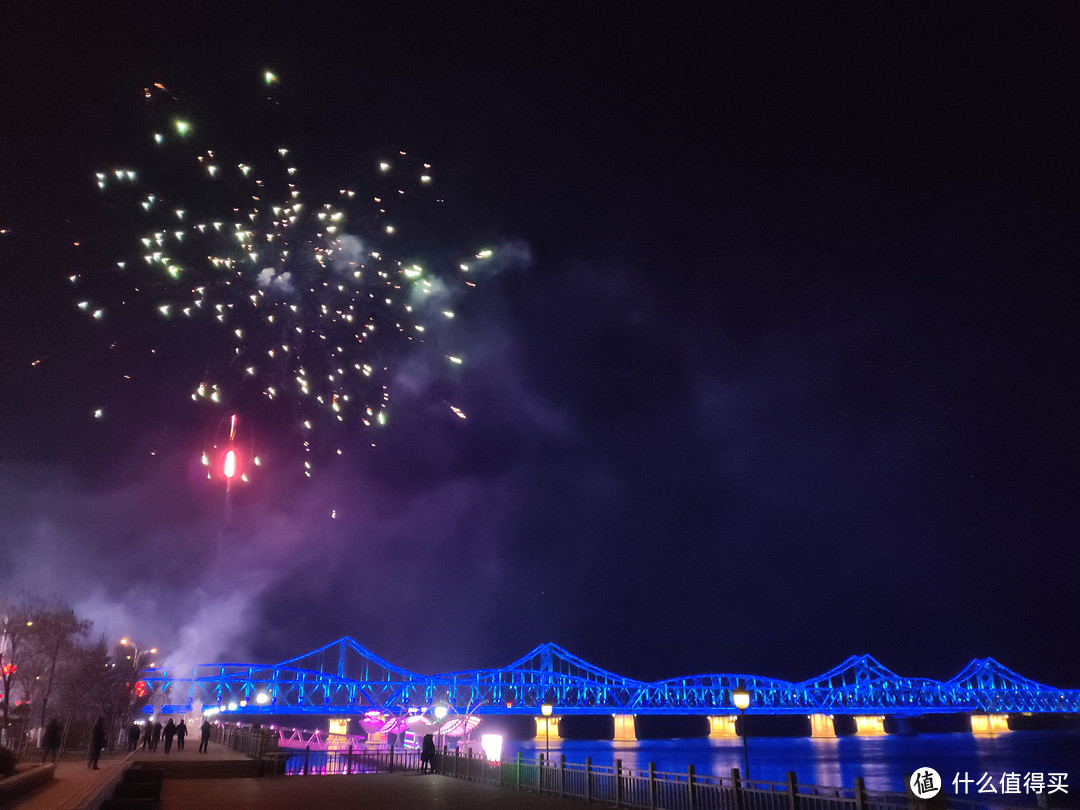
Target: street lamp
[[741, 698], [132, 687], [546, 711], [126, 642], [440, 713]]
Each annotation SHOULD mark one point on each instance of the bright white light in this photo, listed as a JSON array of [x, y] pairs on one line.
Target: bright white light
[[492, 745], [230, 464]]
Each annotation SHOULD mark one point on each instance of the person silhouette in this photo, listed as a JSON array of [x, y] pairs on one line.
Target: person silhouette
[[170, 733], [133, 736], [51, 741], [427, 754], [97, 742]]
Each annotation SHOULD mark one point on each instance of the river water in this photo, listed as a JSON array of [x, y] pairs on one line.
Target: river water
[[885, 763]]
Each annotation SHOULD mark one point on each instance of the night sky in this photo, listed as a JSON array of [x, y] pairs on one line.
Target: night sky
[[778, 362]]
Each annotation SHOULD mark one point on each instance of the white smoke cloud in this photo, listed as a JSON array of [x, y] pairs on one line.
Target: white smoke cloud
[[349, 254], [269, 279], [508, 255]]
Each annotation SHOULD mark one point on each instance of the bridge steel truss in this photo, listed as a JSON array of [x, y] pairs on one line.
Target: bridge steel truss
[[344, 678]]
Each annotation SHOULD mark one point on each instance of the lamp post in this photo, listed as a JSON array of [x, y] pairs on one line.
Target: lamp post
[[741, 698], [546, 711], [134, 658], [440, 714], [130, 687]]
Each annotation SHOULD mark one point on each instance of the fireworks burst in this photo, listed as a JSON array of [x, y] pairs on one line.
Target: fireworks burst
[[312, 298]]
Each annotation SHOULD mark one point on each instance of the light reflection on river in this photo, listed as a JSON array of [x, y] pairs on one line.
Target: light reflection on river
[[885, 763]]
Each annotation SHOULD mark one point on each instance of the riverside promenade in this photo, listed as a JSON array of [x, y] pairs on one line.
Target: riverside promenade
[[406, 790], [76, 787]]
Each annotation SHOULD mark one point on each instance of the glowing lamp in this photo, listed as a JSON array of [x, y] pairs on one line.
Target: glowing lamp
[[440, 712], [546, 709], [741, 698], [232, 706], [492, 745], [262, 698]]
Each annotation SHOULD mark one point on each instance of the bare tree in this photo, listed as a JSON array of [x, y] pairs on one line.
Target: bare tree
[[16, 626], [85, 685], [55, 633]]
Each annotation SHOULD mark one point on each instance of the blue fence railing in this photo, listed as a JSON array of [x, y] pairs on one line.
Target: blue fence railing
[[688, 790], [602, 784]]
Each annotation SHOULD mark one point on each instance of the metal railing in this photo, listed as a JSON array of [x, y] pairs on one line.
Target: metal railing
[[263, 745], [303, 762], [688, 790], [604, 784]]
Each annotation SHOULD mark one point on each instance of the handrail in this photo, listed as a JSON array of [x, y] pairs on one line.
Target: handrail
[[608, 784], [687, 790]]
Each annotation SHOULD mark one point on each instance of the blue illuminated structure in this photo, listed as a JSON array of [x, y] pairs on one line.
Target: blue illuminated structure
[[344, 678]]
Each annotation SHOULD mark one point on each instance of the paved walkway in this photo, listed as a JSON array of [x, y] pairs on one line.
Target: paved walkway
[[375, 791], [76, 787]]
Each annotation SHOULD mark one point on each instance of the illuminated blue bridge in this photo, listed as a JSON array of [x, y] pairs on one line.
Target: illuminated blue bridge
[[343, 678]]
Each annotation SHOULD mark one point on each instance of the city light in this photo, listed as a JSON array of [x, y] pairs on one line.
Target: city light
[[492, 745]]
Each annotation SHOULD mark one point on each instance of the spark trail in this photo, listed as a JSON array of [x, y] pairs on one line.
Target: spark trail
[[310, 299]]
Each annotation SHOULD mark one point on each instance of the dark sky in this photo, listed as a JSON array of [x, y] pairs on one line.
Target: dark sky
[[779, 362]]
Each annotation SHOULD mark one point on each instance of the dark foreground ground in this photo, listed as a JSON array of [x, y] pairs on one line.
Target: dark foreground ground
[[76, 787], [386, 791]]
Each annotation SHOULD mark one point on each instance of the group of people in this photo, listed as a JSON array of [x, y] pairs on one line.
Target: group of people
[[153, 732], [150, 734]]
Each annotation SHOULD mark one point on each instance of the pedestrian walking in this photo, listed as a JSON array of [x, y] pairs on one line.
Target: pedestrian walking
[[133, 737], [170, 733], [155, 735], [181, 732], [97, 742], [147, 734], [204, 741], [51, 741]]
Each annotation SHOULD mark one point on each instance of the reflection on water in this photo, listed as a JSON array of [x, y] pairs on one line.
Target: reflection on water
[[885, 763]]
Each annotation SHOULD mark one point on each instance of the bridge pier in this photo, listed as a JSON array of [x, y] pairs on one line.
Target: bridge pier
[[547, 728], [723, 726], [821, 725], [870, 725], [624, 728], [989, 723]]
